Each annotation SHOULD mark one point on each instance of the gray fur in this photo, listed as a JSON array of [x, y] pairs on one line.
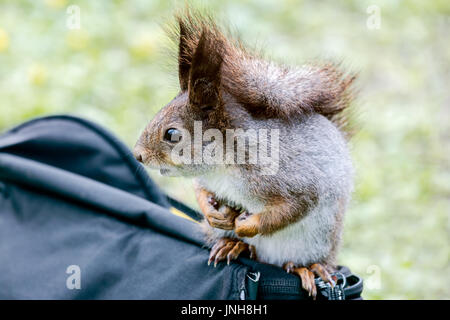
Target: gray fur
[[312, 152]]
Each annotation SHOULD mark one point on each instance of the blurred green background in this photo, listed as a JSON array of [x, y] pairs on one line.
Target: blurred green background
[[114, 70]]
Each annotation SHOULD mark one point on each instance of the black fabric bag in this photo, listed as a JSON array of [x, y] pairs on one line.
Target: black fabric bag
[[71, 194]]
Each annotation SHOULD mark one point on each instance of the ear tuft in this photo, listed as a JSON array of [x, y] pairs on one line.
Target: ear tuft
[[186, 33], [184, 56], [205, 71]]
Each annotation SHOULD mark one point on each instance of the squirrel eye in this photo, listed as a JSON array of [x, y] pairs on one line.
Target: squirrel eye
[[172, 135]]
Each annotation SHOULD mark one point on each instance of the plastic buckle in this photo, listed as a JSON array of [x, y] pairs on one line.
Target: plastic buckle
[[333, 291]]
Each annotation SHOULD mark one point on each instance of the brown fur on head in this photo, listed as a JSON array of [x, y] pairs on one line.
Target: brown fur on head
[[220, 82]]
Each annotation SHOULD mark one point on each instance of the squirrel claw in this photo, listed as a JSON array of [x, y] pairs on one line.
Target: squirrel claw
[[229, 249], [289, 267], [321, 272]]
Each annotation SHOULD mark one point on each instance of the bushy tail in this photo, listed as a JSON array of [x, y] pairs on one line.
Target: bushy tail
[[284, 92], [265, 88]]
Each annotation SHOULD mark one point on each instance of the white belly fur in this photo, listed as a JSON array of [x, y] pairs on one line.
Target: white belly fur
[[304, 242], [225, 186]]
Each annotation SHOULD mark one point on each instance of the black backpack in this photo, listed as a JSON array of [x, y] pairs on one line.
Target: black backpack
[[73, 199]]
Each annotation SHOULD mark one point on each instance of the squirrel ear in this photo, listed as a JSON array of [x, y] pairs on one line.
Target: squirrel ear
[[204, 75], [184, 57]]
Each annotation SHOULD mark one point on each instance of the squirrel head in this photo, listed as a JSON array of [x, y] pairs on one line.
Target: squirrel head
[[200, 100], [223, 86]]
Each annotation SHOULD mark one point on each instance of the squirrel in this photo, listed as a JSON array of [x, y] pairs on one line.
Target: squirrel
[[292, 218]]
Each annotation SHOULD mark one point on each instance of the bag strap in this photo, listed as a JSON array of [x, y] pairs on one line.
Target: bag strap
[[273, 283]]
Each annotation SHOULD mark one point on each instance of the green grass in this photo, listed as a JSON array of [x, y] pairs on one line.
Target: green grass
[[115, 71]]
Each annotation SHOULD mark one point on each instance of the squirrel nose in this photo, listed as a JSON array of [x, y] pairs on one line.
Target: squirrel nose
[[137, 152], [138, 157]]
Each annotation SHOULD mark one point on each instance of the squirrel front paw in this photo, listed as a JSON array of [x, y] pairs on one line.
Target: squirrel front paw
[[219, 215], [247, 225]]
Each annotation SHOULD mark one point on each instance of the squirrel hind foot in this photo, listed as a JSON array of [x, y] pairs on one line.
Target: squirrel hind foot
[[308, 274], [229, 249]]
